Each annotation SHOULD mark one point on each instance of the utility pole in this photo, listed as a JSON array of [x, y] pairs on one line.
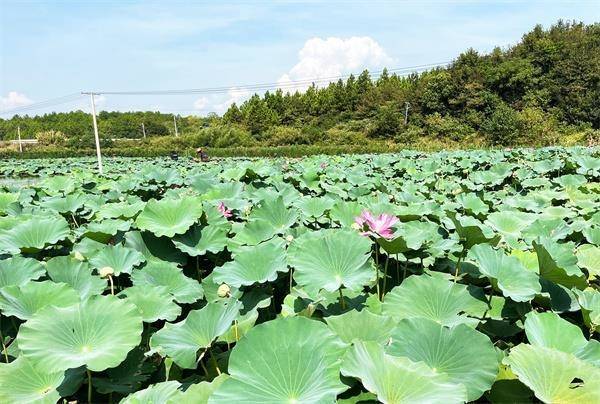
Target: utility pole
[[97, 138], [406, 108], [175, 123], [19, 135], [144, 130]]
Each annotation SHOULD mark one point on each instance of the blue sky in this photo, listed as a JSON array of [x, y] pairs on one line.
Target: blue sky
[[52, 48]]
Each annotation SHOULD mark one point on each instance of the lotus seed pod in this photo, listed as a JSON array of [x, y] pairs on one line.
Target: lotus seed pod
[[224, 290], [355, 226], [105, 271], [78, 256], [289, 238]]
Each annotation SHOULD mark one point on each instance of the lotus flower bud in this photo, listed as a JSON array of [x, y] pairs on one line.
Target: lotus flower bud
[[78, 256], [355, 226], [106, 271], [289, 238], [224, 290]]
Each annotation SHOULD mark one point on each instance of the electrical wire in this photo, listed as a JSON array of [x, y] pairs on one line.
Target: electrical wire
[[44, 104]]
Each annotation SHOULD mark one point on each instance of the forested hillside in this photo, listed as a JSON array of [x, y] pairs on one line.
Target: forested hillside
[[543, 90]]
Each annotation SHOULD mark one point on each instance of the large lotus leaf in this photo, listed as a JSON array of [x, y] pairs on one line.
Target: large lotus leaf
[[153, 302], [592, 234], [465, 355], [157, 273], [98, 333], [65, 204], [471, 231], [314, 207], [154, 248], [58, 184], [34, 235], [510, 224], [588, 257], [549, 330], [558, 264], [22, 382], [513, 279], [398, 379], [6, 199], [76, 274], [120, 259], [287, 360], [252, 233], [433, 298], [169, 217], [256, 264], [199, 393], [331, 259], [361, 325], [344, 212], [18, 271], [158, 393], [589, 300], [120, 210], [181, 341], [472, 204], [276, 214], [87, 247], [197, 241], [105, 230], [555, 376], [24, 301]]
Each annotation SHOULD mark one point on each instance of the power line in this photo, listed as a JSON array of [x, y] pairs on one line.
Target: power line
[[272, 85], [44, 104]]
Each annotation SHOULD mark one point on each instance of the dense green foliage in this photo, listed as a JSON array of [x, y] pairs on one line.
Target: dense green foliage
[[441, 278], [544, 90]]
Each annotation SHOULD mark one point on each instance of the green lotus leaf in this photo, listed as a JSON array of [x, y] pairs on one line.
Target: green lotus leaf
[[58, 184], [65, 204], [313, 207], [513, 279], [398, 379], [472, 204], [6, 199], [154, 248], [197, 241], [331, 259], [344, 212], [465, 355], [34, 235], [98, 333], [154, 302], [199, 393], [558, 264], [158, 393], [120, 210], [509, 224], [471, 231], [361, 325], [129, 376], [76, 274], [211, 290], [589, 300], [299, 364], [22, 382], [105, 230], [253, 233], [18, 271], [555, 376], [87, 247], [120, 259], [256, 264], [160, 273], [24, 301], [588, 257], [181, 341], [432, 298], [592, 234], [276, 214], [169, 217]]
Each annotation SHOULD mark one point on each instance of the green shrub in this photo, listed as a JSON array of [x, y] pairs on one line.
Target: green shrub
[[503, 126], [446, 127], [51, 138]]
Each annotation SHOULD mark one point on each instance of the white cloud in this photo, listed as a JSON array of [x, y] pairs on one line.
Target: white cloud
[[201, 103], [234, 94], [324, 58], [14, 100]]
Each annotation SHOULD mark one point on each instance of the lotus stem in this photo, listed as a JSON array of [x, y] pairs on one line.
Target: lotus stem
[[3, 346], [89, 392], [198, 268], [404, 272], [377, 273], [291, 278], [460, 257], [112, 285], [385, 273], [235, 329], [214, 361], [74, 220], [342, 301]]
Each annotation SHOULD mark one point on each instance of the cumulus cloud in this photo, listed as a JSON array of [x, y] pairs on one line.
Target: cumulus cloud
[[234, 94], [14, 100], [324, 58]]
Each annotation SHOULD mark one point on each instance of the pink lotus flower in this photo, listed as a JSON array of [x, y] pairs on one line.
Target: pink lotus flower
[[380, 226], [323, 165], [224, 211]]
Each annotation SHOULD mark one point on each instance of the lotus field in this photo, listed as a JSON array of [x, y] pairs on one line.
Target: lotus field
[[403, 278]]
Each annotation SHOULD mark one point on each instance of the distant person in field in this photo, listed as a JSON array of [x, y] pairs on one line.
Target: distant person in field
[[174, 155], [201, 155]]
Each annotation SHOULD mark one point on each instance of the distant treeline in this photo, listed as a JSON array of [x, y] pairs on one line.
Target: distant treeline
[[543, 90]]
